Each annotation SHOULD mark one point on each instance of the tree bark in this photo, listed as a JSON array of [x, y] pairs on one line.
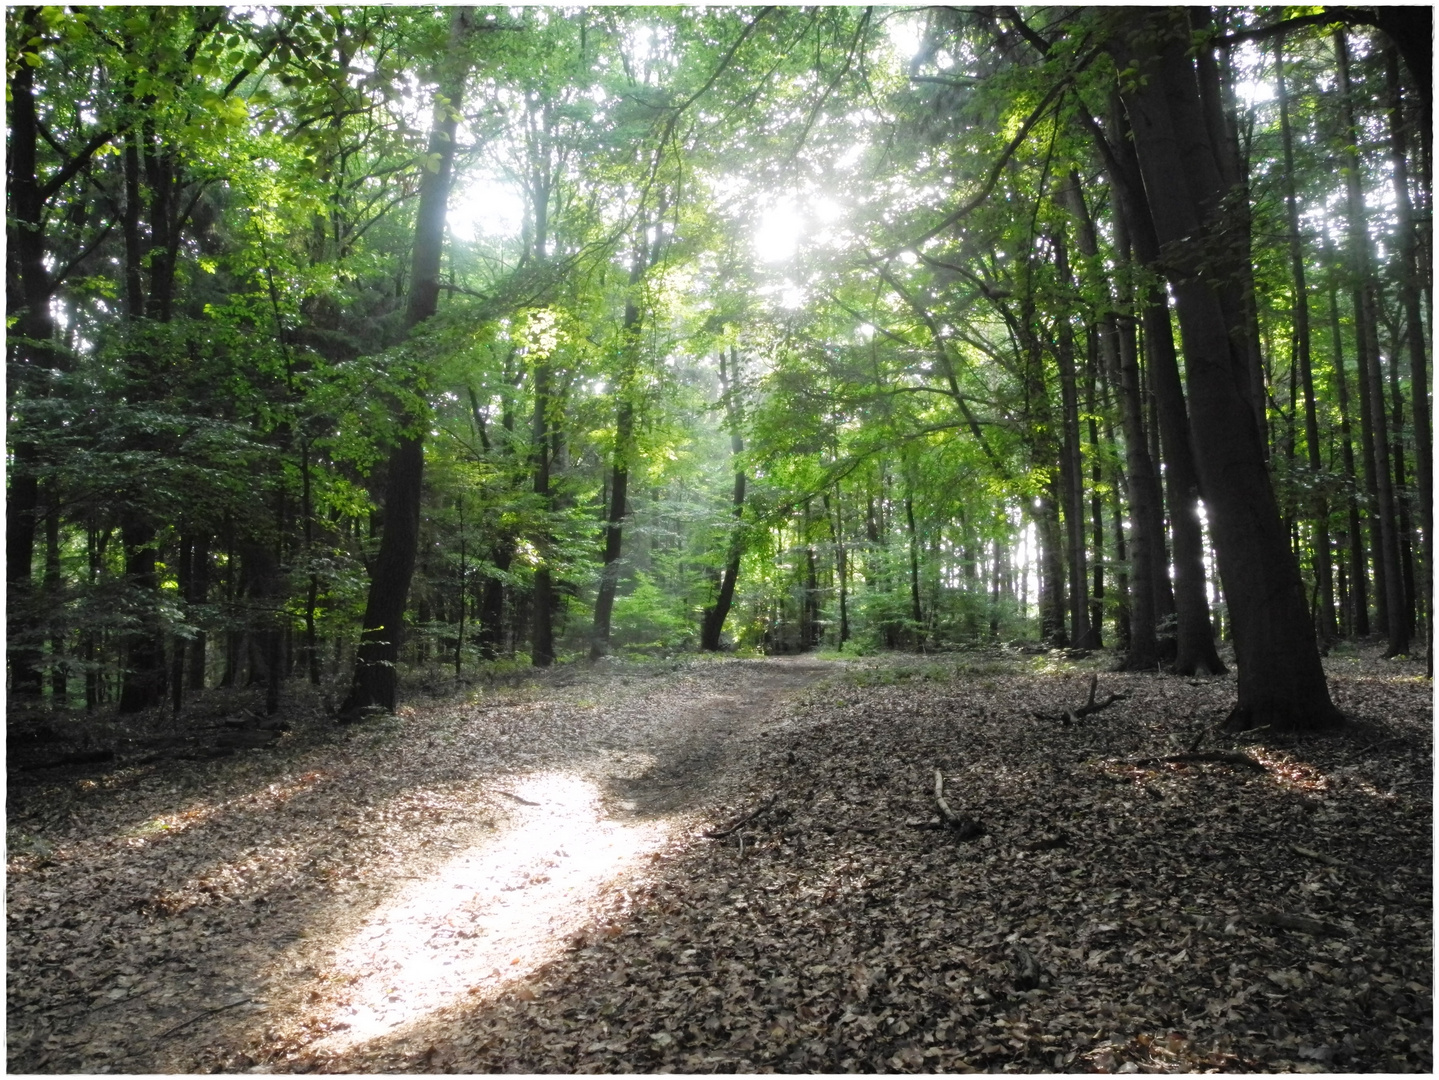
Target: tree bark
[[1323, 567], [624, 452], [376, 678], [27, 300], [1281, 681], [1357, 610], [1072, 467], [1409, 277], [713, 620], [1366, 312]]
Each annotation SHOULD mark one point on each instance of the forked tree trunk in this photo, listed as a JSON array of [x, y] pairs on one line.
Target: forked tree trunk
[[1281, 681], [376, 678]]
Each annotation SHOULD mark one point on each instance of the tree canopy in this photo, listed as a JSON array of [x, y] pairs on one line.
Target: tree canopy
[[343, 341]]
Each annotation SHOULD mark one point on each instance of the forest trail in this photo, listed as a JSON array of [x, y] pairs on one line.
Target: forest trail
[[344, 891], [734, 866]]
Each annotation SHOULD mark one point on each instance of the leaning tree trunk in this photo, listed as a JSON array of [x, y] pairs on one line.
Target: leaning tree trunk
[[1281, 680], [1194, 633], [376, 679]]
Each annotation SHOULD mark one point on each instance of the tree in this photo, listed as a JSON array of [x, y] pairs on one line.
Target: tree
[[1281, 681], [375, 680]]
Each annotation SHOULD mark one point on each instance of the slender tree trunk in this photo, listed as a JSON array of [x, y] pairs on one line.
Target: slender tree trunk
[[54, 596], [199, 595], [184, 576], [1358, 578], [1323, 567], [623, 455], [1366, 312], [542, 640], [915, 612], [1096, 501], [1409, 277], [1051, 606], [376, 679], [841, 565], [713, 620], [1194, 644], [1281, 681], [1072, 466], [1145, 548]]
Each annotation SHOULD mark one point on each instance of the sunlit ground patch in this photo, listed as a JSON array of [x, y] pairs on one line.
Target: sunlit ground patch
[[491, 915]]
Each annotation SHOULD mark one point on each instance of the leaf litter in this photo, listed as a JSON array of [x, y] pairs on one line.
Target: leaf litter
[[742, 866]]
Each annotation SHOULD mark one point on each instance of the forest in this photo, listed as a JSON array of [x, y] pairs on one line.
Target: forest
[[346, 342], [700, 435]]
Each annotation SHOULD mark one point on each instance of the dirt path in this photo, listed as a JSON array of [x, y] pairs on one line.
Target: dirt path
[[306, 900]]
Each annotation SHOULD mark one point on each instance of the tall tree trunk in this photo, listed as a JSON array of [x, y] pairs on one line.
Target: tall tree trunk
[[1281, 681], [27, 297], [841, 558], [1096, 500], [1366, 313], [542, 639], [1358, 577], [1051, 546], [1145, 546], [1323, 567], [1120, 366], [376, 678], [199, 596], [54, 599], [1409, 278], [713, 620], [624, 452], [1072, 466], [916, 613]]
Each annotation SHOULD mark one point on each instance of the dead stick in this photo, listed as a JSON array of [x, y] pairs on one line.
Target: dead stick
[[944, 809], [200, 1016], [722, 833]]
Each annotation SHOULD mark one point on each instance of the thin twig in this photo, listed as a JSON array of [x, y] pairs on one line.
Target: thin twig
[[200, 1016], [722, 833]]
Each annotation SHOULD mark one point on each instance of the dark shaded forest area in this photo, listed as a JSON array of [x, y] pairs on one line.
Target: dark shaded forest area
[[374, 373]]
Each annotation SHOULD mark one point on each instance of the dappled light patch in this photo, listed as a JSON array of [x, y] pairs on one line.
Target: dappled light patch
[[489, 916]]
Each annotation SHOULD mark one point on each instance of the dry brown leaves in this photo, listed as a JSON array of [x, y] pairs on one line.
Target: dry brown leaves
[[1121, 914]]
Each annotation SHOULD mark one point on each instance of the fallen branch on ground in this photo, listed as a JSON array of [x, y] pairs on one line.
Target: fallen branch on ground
[[720, 834], [1089, 708], [965, 828], [201, 1015], [512, 795]]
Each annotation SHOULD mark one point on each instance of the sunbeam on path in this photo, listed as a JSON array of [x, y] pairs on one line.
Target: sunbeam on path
[[489, 916]]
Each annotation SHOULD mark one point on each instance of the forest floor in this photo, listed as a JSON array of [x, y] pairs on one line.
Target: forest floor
[[734, 866]]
